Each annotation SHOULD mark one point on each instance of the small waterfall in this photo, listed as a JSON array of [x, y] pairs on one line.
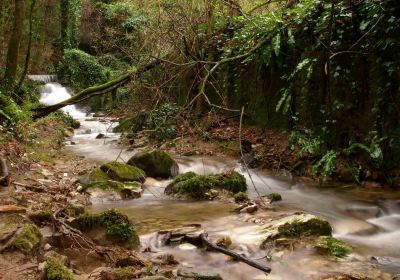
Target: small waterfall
[[53, 93], [43, 78]]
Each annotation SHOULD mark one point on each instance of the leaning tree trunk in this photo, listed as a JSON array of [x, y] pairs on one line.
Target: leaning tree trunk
[[96, 90], [14, 43], [64, 21]]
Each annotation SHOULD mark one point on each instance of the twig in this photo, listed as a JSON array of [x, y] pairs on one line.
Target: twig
[[203, 237]]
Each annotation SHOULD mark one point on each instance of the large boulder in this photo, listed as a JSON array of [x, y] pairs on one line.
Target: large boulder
[[123, 172], [296, 226], [155, 163], [204, 186], [26, 238]]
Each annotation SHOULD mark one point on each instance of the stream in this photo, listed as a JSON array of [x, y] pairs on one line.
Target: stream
[[368, 219]]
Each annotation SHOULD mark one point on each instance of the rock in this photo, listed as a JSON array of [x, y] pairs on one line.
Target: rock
[[224, 242], [187, 247], [249, 209], [47, 247], [199, 274], [100, 136], [123, 172], [101, 273], [297, 225], [155, 163], [156, 277], [60, 258], [274, 197], [241, 197], [48, 236], [201, 186]]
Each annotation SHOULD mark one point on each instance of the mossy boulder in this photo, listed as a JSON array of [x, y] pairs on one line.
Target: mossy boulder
[[26, 238], [296, 226], [117, 226], [132, 124], [273, 197], [40, 217], [117, 177], [199, 274], [241, 197], [332, 246], [203, 186], [123, 172], [155, 163], [55, 270]]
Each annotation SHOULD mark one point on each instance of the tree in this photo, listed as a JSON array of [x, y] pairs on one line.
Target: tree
[[14, 43]]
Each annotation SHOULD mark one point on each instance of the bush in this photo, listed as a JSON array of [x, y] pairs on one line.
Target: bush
[[81, 70]]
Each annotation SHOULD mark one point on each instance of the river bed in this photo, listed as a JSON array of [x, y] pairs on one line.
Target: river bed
[[368, 219]]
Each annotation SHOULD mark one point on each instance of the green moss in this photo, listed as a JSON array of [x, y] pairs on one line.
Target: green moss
[[40, 217], [155, 163], [123, 172], [241, 197], [28, 238], [311, 227], [98, 175], [198, 186], [55, 270], [117, 225], [124, 273], [274, 197], [332, 246]]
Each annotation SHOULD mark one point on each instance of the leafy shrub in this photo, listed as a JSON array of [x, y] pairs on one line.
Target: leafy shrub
[[325, 166], [55, 270], [159, 121], [81, 70], [306, 142]]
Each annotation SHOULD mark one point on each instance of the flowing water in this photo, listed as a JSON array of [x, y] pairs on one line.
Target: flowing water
[[368, 219]]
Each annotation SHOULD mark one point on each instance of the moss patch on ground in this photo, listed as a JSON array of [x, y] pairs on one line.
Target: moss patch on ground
[[199, 186], [27, 238], [55, 270], [117, 226], [332, 246]]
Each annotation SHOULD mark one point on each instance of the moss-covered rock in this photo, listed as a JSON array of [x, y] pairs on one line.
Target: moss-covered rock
[[27, 238], [55, 270], [40, 217], [274, 197], [124, 273], [132, 124], [117, 226], [99, 179], [155, 163], [241, 197], [123, 172], [332, 246], [202, 186], [296, 226]]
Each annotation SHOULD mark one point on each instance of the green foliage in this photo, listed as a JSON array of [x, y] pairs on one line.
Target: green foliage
[[325, 166], [81, 70], [67, 119], [125, 14], [55, 270], [332, 246], [117, 225], [159, 121], [241, 197], [306, 143], [274, 197], [372, 149]]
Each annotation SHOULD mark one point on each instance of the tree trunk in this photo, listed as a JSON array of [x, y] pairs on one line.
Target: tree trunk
[[28, 52], [64, 21], [13, 45]]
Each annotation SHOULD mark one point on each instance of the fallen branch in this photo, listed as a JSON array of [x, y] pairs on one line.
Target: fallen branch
[[96, 90], [4, 175], [236, 256]]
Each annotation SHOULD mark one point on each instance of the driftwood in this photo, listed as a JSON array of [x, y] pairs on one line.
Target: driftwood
[[236, 256], [4, 175], [96, 90]]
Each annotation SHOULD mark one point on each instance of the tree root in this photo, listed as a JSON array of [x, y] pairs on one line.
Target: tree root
[[4, 175]]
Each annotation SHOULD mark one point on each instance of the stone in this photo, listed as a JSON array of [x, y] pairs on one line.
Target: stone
[[156, 277], [155, 163], [297, 225], [27, 238], [61, 258], [123, 172], [199, 274]]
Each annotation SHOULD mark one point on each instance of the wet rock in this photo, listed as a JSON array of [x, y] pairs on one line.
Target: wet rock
[[123, 172], [201, 186], [155, 163], [100, 136], [274, 197], [224, 242], [156, 277], [50, 237], [241, 197], [249, 209], [101, 273], [364, 211], [199, 274], [298, 225]]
